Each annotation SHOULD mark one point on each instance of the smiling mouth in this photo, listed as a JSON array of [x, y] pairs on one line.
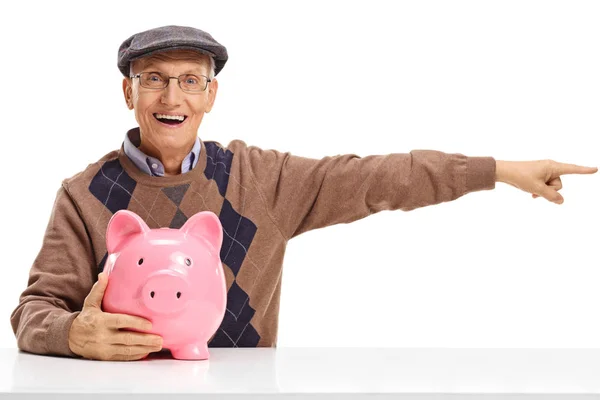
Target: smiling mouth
[[170, 119]]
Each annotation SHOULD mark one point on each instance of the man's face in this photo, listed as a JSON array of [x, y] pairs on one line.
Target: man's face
[[159, 137]]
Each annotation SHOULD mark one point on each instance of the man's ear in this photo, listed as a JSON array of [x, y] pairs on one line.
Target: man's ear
[[128, 92], [213, 86]]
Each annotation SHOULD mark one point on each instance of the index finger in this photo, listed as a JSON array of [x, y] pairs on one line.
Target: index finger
[[575, 169], [120, 321]]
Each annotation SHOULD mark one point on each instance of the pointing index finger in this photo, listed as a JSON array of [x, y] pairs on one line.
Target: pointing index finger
[[575, 169]]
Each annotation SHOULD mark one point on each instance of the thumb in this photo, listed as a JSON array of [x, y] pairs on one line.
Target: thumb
[[94, 298], [551, 194]]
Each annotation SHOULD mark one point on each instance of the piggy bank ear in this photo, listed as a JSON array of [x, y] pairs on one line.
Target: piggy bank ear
[[121, 227], [205, 225]]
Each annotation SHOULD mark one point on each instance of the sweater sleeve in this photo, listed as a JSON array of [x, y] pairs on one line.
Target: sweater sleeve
[[302, 194], [59, 280]]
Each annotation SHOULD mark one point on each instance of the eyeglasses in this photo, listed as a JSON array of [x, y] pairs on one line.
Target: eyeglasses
[[187, 82]]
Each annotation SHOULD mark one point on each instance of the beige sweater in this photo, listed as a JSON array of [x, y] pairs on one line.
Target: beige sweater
[[263, 199]]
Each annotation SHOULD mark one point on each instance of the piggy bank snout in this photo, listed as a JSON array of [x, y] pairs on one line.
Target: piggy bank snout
[[165, 293]]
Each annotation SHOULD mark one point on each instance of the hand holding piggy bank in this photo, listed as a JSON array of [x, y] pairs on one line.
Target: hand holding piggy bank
[[171, 277]]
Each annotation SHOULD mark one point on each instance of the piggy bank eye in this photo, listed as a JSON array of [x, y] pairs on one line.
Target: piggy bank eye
[[140, 261], [188, 262]]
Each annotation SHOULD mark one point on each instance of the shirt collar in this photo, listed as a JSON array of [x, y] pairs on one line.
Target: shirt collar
[[153, 166]]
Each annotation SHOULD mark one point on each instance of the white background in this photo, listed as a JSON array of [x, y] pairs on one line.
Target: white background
[[516, 80]]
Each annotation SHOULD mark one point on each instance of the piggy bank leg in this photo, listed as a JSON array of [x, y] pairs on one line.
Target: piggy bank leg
[[193, 351]]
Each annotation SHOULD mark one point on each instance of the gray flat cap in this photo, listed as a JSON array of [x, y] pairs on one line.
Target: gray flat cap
[[170, 38]]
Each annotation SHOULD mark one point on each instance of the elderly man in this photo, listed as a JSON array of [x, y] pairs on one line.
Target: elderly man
[[165, 174]]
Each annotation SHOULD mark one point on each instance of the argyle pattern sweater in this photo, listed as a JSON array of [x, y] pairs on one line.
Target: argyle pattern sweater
[[263, 199]]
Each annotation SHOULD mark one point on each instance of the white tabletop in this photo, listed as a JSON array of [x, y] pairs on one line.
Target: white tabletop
[[297, 373]]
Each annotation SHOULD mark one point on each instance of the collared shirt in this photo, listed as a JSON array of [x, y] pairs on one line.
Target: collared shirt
[[153, 166]]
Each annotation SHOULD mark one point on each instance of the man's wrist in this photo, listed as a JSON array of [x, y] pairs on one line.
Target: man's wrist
[[501, 170]]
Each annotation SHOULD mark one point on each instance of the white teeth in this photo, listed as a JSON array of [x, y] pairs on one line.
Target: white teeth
[[175, 117]]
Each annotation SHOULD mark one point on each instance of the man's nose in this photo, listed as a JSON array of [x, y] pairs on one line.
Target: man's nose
[[172, 95]]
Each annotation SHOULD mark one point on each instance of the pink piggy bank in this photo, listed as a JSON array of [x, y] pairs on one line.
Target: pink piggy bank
[[171, 277]]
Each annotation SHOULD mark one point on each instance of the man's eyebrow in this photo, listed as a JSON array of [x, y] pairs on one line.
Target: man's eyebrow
[[195, 71]]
